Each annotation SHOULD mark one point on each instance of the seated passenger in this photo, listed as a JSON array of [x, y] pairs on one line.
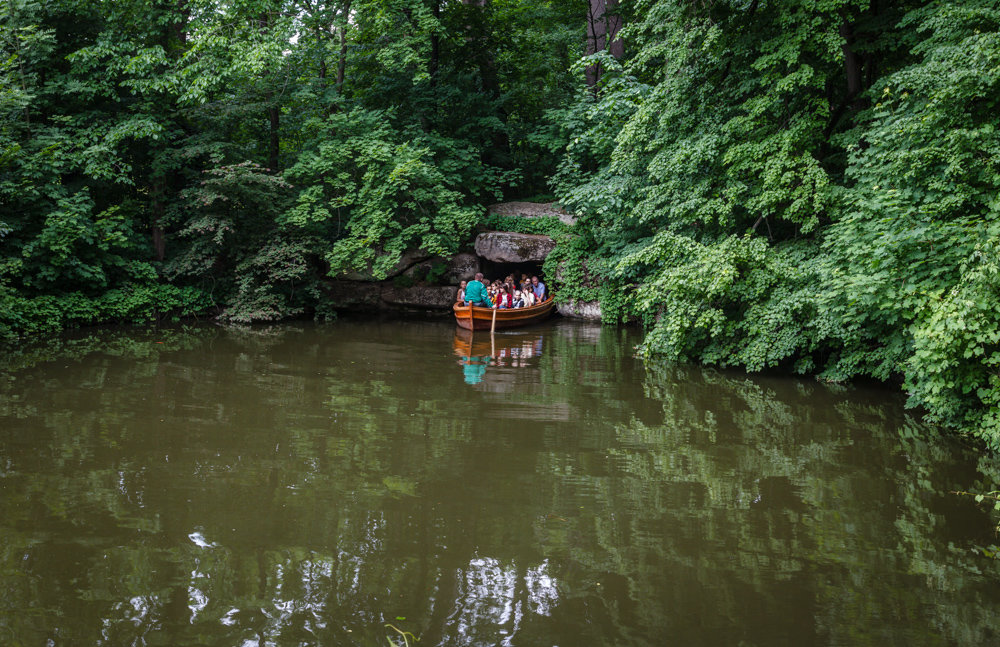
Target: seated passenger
[[518, 299], [538, 288], [504, 299], [461, 291], [475, 293], [529, 298]]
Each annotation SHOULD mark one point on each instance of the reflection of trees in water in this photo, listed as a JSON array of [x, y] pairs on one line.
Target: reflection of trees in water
[[771, 489], [281, 487]]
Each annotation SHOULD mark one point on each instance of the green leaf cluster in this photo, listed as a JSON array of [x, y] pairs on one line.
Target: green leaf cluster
[[810, 186], [378, 191]]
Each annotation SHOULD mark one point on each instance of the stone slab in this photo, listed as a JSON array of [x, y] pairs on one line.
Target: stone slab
[[509, 247], [587, 310], [421, 297]]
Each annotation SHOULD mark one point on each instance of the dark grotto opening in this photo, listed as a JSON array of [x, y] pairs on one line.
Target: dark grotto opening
[[493, 270]]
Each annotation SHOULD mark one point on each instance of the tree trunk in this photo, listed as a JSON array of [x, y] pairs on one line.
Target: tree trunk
[[852, 62], [273, 110], [479, 36], [174, 42], [320, 40], [487, 62], [603, 26]]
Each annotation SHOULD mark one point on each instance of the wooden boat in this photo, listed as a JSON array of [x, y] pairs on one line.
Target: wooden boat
[[476, 318]]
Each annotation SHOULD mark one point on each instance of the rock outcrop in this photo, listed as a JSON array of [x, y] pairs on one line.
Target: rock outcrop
[[355, 295], [587, 310], [406, 287], [367, 296], [462, 267], [532, 210], [420, 297], [509, 247]]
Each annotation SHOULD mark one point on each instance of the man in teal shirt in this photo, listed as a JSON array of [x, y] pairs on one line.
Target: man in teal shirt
[[475, 293]]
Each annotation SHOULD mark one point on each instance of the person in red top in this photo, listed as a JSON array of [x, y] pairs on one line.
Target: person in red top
[[504, 299]]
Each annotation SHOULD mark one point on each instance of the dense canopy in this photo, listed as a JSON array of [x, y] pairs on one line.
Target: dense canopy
[[804, 184]]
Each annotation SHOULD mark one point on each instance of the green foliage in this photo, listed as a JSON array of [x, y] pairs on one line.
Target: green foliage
[[758, 202], [954, 370], [129, 303], [542, 225], [258, 269], [435, 273], [272, 282], [737, 301], [247, 149], [913, 249], [385, 191], [570, 267]]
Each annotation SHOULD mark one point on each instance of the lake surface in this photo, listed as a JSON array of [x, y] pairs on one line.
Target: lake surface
[[315, 484]]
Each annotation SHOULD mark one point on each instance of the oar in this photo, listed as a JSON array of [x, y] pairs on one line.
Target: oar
[[493, 327]]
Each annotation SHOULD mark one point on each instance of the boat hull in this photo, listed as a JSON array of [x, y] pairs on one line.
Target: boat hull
[[475, 318]]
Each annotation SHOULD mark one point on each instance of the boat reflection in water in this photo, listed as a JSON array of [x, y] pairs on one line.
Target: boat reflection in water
[[477, 351]]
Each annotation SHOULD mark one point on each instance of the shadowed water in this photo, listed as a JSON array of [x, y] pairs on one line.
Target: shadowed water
[[310, 485]]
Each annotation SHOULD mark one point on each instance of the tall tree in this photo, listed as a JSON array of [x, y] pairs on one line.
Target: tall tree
[[603, 26]]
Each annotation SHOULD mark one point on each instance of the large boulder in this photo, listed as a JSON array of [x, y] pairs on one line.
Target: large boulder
[[589, 310], [508, 247], [420, 297], [462, 267]]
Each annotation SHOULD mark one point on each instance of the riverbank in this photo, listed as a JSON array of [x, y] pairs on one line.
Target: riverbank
[[760, 307]]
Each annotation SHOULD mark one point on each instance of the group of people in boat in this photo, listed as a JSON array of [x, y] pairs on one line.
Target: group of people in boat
[[501, 294]]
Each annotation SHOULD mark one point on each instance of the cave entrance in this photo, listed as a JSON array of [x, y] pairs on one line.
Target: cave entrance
[[493, 270]]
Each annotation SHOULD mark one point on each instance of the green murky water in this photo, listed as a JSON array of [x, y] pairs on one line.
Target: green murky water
[[310, 485]]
